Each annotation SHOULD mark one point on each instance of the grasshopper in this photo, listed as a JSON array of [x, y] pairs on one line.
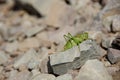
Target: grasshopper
[[74, 40]]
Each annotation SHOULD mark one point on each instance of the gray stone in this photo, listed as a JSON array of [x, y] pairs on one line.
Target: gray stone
[[28, 44], [1, 69], [113, 55], [106, 43], [64, 77], [42, 6], [11, 47], [60, 19], [111, 7], [24, 75], [116, 42], [96, 35], [33, 30], [79, 6], [93, 70], [64, 57], [43, 60], [116, 24], [3, 57], [1, 39], [35, 72], [109, 13], [73, 58], [4, 31], [29, 59], [48, 7], [113, 69], [43, 77]]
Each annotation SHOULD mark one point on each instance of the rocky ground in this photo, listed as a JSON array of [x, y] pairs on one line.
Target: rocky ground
[[32, 42]]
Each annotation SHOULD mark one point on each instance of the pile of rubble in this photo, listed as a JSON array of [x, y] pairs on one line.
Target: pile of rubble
[[31, 40]]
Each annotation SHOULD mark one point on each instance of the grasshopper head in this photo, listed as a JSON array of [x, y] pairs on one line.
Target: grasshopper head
[[85, 35]]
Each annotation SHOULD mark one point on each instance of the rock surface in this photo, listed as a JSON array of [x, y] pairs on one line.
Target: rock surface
[[109, 14], [64, 77], [29, 43], [33, 30], [91, 72], [113, 55], [107, 42], [29, 59], [48, 7], [73, 58], [43, 77], [116, 42], [11, 47], [3, 57], [24, 75]]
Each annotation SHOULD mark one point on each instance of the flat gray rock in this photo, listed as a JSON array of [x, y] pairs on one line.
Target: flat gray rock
[[106, 43], [47, 7], [64, 57], [24, 75], [73, 58], [3, 57], [11, 47], [113, 55], [33, 30], [65, 77], [43, 77], [29, 59], [93, 70]]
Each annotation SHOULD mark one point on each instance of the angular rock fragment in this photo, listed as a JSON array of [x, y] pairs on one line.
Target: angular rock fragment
[[49, 9], [93, 70], [4, 31], [43, 77], [112, 70], [29, 59], [110, 14], [116, 24], [29, 43], [11, 47], [96, 35], [3, 57], [65, 16], [116, 42], [85, 6], [73, 58], [32, 60], [24, 75], [113, 55], [64, 77], [34, 30], [106, 42]]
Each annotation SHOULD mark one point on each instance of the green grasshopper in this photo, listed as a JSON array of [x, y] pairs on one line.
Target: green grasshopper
[[74, 40]]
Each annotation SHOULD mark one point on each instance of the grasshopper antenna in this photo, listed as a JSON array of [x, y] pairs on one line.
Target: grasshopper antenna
[[70, 35], [66, 37]]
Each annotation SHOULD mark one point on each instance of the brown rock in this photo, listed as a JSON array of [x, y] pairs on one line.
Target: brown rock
[[62, 17], [29, 43]]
